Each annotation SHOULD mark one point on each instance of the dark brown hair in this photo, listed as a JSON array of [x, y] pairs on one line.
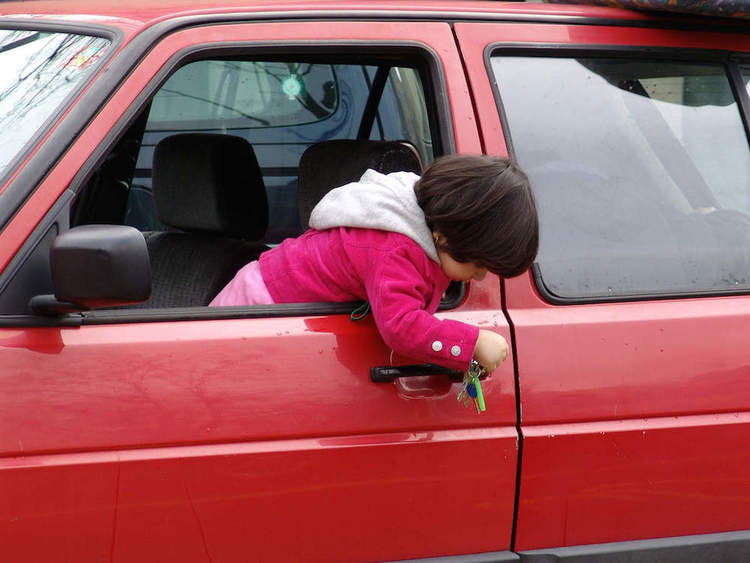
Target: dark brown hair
[[484, 209]]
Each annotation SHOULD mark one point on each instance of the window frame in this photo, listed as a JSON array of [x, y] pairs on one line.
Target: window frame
[[731, 61], [440, 117]]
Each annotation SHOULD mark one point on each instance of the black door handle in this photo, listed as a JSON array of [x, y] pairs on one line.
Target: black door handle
[[386, 374]]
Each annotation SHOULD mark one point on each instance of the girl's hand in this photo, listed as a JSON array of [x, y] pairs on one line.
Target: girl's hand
[[491, 349]]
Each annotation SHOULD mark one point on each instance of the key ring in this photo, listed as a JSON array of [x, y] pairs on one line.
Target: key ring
[[476, 369]]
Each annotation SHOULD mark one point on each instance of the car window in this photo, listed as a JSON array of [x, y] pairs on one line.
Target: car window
[[226, 113], [281, 107], [403, 111], [247, 94], [40, 70], [641, 170]]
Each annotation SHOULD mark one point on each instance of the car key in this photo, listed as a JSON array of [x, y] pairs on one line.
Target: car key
[[471, 388]]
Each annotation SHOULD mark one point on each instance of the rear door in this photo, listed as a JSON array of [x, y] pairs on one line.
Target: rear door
[[196, 434], [631, 333]]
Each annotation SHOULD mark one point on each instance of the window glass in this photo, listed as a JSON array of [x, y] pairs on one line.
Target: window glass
[[211, 94], [641, 170], [404, 99], [39, 71], [281, 108]]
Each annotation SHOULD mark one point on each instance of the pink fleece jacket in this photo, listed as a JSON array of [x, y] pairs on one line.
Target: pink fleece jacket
[[404, 287]]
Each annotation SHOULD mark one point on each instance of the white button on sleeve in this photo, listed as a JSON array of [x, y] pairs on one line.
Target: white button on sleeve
[[437, 346], [456, 350]]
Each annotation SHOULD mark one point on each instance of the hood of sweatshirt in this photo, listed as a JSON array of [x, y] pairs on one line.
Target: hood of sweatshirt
[[386, 202]]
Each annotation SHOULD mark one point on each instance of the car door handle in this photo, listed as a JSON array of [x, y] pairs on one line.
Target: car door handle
[[386, 374]]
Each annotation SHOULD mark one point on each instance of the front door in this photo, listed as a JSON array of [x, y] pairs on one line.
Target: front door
[[198, 433]]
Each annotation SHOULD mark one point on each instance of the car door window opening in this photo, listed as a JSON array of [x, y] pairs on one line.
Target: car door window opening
[[280, 106]]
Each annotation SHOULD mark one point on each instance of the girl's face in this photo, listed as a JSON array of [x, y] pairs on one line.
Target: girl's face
[[460, 271]]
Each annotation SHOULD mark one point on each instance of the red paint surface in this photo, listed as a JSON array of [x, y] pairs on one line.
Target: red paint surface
[[629, 402], [642, 478], [634, 415], [130, 11], [324, 499], [206, 439], [209, 439]]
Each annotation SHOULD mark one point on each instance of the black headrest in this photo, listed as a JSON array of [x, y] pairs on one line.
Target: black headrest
[[330, 164], [210, 183]]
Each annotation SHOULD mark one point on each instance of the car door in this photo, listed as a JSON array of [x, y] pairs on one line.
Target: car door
[[631, 332], [194, 434]]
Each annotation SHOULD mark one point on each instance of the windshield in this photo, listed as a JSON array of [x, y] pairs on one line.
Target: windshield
[[39, 71]]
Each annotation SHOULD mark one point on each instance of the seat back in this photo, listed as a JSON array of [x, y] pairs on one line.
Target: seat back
[[330, 164], [208, 189]]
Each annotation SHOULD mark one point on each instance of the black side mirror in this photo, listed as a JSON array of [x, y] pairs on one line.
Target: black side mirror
[[96, 266]]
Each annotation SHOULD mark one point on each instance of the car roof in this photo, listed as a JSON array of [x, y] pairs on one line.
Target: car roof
[[133, 16], [141, 13]]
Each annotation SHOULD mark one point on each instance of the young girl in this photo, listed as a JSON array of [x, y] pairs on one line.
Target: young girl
[[398, 240]]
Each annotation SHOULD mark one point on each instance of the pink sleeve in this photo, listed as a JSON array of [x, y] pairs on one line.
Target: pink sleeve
[[399, 291]]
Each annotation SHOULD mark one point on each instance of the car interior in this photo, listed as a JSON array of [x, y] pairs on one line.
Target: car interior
[[229, 157]]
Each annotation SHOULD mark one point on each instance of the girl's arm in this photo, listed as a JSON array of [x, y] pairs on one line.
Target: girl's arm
[[399, 289]]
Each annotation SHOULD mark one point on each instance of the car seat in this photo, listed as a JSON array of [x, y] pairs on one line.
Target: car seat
[[209, 191], [330, 164]]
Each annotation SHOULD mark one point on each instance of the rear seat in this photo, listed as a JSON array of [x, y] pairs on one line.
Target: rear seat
[[330, 164]]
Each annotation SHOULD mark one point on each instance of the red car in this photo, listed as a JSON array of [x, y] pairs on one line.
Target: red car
[[148, 150]]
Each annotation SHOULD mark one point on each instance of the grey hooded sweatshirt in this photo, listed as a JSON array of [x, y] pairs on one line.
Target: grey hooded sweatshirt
[[377, 201]]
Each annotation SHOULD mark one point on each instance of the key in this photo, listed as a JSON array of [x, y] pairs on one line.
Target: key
[[475, 392], [471, 388], [477, 371], [464, 385]]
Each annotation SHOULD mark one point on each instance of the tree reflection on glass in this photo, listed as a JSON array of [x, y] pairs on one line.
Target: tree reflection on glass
[[40, 70]]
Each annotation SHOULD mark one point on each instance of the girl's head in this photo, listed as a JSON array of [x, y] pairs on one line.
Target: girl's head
[[482, 212]]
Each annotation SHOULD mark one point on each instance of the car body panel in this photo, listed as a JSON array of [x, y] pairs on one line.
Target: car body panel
[[624, 405], [219, 422], [133, 11], [191, 503], [195, 437], [613, 469]]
